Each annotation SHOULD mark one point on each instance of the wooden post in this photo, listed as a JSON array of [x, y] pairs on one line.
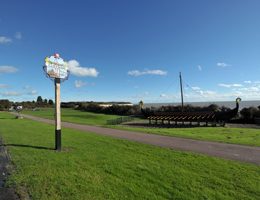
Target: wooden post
[[57, 115], [181, 93]]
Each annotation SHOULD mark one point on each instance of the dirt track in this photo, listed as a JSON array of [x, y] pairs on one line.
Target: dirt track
[[5, 193], [223, 150]]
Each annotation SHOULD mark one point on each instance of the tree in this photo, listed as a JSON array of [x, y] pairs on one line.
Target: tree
[[4, 104], [50, 102], [248, 113], [45, 101], [213, 107], [39, 99], [141, 104]]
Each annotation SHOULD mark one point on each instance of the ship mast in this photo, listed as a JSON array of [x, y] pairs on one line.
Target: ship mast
[[181, 93]]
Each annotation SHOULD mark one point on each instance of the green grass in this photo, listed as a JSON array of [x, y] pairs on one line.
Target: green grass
[[75, 116], [244, 136], [99, 167]]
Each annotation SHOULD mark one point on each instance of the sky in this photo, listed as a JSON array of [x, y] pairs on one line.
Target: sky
[[132, 50]]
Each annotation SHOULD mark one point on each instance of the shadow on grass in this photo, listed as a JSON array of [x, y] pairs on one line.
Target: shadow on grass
[[7, 117], [27, 146]]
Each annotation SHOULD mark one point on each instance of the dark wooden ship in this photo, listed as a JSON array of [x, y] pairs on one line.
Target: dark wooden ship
[[190, 118]]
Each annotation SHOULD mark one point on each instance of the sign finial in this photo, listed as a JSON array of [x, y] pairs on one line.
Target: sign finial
[[56, 55]]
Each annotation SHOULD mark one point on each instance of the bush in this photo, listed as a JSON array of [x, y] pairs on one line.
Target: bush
[[257, 114], [5, 104], [248, 114]]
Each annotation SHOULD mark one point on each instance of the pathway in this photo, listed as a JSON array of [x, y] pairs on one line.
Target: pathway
[[6, 193]]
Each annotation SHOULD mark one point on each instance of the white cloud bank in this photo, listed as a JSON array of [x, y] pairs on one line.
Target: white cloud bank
[[147, 72], [78, 70], [16, 94], [11, 93], [230, 85], [222, 64], [7, 69], [195, 88], [5, 40], [32, 92], [4, 86]]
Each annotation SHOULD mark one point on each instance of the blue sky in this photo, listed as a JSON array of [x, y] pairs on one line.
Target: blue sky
[[132, 50]]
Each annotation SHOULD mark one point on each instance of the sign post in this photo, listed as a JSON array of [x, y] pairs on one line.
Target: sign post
[[56, 69], [57, 115]]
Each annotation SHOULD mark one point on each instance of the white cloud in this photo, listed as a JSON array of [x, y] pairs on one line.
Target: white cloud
[[5, 40], [7, 69], [237, 85], [147, 72], [79, 83], [11, 93], [230, 85], [235, 90], [33, 92], [27, 87], [163, 95], [209, 92], [199, 68], [4, 86], [195, 88], [18, 35], [250, 89], [78, 70], [222, 64], [248, 82]]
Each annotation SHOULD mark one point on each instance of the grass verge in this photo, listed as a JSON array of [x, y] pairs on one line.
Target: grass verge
[[244, 136]]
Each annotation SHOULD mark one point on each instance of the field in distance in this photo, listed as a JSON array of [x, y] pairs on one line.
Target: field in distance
[[99, 167], [72, 115]]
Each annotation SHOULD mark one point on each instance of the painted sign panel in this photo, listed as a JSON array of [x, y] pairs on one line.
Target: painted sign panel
[[56, 67]]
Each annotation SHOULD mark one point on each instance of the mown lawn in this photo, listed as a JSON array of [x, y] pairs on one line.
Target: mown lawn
[[245, 136], [99, 167], [71, 115]]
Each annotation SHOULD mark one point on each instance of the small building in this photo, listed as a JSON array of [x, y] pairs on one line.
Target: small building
[[106, 105]]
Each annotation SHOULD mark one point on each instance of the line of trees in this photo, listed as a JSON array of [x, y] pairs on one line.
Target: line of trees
[[5, 104], [115, 109], [250, 115], [246, 115]]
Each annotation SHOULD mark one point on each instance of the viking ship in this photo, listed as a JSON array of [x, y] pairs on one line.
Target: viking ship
[[214, 117]]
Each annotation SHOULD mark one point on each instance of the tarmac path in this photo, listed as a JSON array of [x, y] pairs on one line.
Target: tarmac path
[[228, 151]]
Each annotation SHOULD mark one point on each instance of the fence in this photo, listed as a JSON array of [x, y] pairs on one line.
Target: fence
[[120, 120]]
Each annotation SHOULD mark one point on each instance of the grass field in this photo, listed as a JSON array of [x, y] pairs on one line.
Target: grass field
[[245, 136], [75, 116], [99, 167]]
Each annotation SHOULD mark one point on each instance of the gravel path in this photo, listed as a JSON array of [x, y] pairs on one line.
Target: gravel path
[[223, 150], [5, 193]]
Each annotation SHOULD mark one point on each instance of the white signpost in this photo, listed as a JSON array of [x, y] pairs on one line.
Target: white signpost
[[56, 69]]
